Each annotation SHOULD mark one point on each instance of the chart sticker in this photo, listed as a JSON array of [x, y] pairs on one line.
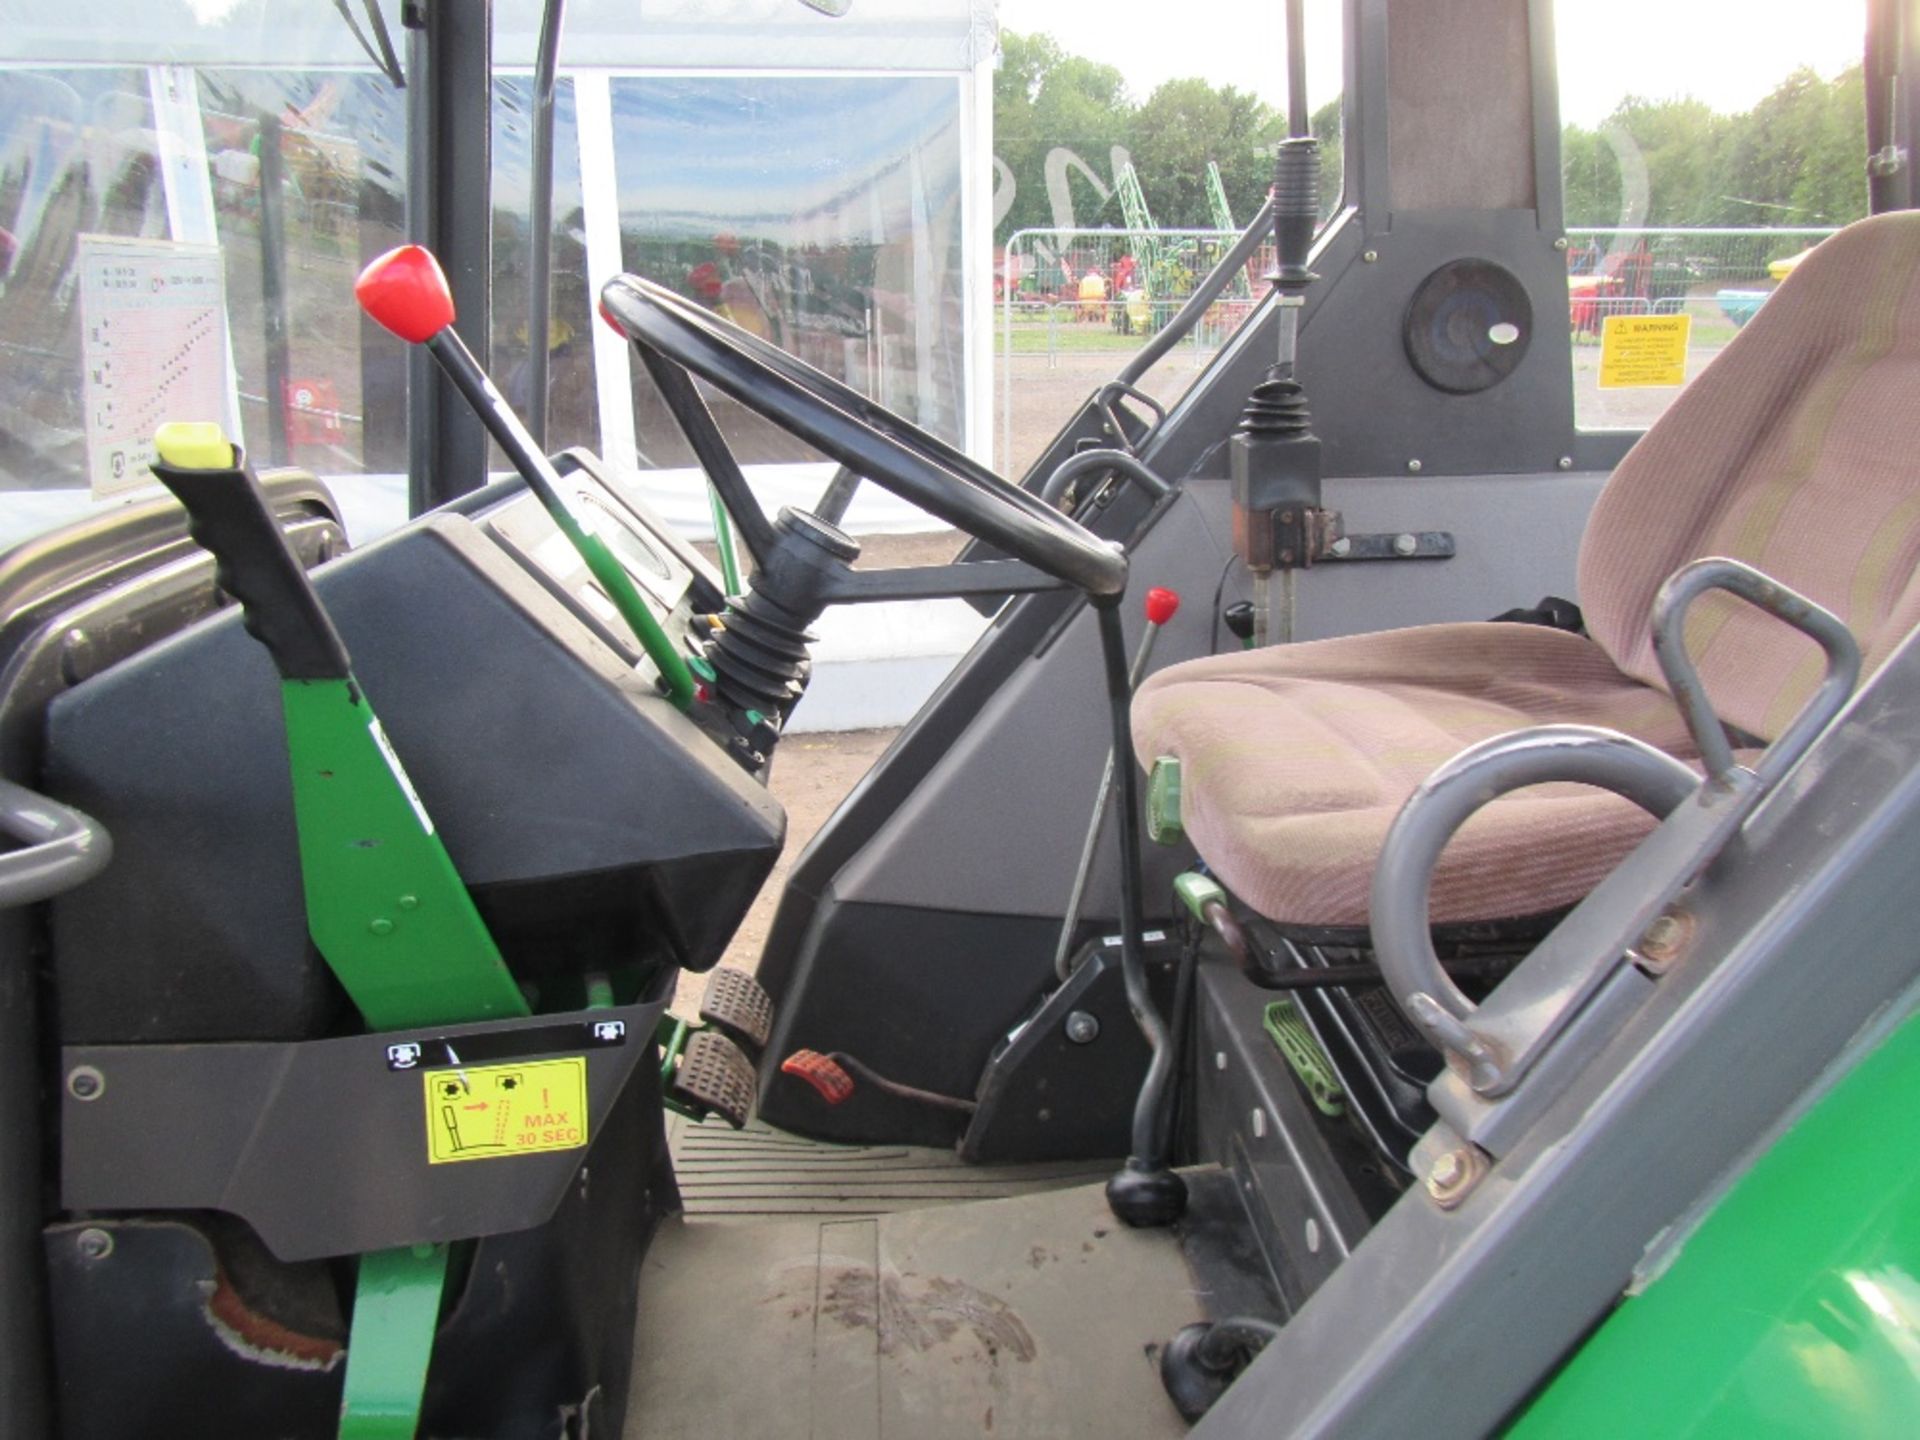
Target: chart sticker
[[483, 1112], [153, 319], [1643, 350]]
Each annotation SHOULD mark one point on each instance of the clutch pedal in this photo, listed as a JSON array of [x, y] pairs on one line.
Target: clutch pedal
[[736, 1004], [714, 1077]]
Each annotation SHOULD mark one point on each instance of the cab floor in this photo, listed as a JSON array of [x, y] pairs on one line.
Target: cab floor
[[1036, 1316], [761, 1173]]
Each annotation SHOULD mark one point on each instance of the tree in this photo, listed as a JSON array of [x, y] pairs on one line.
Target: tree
[[1045, 98], [1800, 154], [1326, 125], [1796, 158], [1186, 123], [1590, 176]]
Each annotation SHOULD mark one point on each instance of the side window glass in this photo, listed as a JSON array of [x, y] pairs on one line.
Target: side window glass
[[1697, 171], [78, 157]]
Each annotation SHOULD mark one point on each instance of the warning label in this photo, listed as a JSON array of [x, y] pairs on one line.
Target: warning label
[[481, 1112], [1643, 350]]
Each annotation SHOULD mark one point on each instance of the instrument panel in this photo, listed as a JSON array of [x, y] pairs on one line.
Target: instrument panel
[[675, 579]]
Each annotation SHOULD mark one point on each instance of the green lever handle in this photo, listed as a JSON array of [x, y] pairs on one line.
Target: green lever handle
[[228, 513]]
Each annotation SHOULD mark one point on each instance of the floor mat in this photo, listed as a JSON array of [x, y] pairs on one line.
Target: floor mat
[[759, 1172]]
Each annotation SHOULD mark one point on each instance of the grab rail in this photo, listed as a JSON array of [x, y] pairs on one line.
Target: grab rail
[[63, 848], [1579, 979]]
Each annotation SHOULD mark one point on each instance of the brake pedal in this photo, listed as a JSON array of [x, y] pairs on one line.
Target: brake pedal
[[715, 1077], [736, 1003]]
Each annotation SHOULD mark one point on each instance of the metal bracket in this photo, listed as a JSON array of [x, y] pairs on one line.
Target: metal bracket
[[1103, 401], [1399, 545], [1305, 536]]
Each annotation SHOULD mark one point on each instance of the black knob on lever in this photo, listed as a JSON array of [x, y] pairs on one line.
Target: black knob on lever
[[1296, 209], [228, 513]]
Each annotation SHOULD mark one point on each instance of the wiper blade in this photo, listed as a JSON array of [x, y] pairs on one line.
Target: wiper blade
[[386, 58]]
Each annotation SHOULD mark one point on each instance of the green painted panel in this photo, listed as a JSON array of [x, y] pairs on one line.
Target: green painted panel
[[384, 904], [396, 1308], [1794, 1309]]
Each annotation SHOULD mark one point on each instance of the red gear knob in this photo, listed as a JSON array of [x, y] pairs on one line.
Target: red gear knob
[[406, 291], [1161, 605]]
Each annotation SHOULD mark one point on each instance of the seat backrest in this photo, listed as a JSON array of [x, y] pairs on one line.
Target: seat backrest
[[1798, 451]]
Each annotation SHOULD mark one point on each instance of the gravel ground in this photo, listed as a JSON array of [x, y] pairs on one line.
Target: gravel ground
[[811, 776]]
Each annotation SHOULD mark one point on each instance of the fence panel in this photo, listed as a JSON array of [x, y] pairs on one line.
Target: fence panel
[[1075, 305], [1720, 277]]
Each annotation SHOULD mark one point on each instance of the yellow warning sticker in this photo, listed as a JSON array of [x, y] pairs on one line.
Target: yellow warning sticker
[[482, 1112], [1643, 350]]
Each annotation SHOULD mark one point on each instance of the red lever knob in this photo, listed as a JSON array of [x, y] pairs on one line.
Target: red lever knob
[[1161, 605], [407, 292], [822, 1072]]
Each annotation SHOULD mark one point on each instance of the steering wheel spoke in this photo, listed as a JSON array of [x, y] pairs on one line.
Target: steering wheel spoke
[[710, 448], [676, 336]]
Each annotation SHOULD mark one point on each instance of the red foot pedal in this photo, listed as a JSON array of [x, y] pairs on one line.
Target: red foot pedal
[[823, 1074], [736, 1004], [714, 1076]]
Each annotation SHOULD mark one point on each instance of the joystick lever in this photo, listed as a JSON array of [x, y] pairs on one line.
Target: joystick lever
[[406, 291]]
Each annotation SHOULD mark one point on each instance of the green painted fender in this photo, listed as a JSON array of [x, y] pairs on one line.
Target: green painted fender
[[1794, 1308]]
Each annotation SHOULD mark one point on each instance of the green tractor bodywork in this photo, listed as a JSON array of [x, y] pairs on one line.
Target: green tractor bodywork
[[1793, 1306]]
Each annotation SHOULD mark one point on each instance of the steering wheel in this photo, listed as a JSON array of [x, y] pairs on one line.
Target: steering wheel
[[868, 439]]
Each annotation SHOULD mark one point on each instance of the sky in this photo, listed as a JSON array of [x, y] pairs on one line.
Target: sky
[[1728, 53]]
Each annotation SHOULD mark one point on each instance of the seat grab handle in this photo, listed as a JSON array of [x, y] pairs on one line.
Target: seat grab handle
[[1670, 607], [1490, 1047]]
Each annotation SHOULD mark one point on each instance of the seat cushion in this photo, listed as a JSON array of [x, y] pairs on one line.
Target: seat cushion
[[1295, 760]]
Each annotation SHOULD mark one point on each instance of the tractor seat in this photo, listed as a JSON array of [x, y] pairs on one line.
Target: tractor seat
[[1797, 450]]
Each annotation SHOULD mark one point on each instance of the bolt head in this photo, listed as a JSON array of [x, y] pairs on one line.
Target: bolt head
[[1448, 1171], [94, 1244], [1342, 546], [1082, 1028], [86, 1083], [1405, 544], [1664, 939], [1561, 243], [1370, 256], [1566, 462], [1413, 467]]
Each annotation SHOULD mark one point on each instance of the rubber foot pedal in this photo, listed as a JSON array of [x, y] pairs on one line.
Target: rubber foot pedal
[[822, 1073], [714, 1076], [736, 1003]]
